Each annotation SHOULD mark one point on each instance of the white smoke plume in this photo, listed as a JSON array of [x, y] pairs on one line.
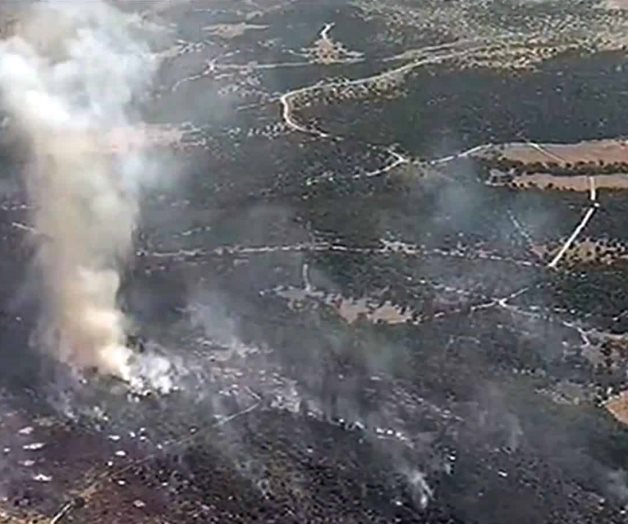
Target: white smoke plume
[[69, 78]]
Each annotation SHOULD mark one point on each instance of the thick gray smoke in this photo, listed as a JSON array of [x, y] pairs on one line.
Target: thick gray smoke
[[69, 76]]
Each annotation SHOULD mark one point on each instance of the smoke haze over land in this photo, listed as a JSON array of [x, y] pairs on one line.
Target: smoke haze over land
[[69, 77]]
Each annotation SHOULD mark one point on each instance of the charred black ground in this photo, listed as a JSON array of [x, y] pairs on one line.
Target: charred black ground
[[363, 329]]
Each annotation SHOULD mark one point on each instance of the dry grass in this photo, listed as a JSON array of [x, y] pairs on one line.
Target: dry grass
[[593, 151], [618, 407]]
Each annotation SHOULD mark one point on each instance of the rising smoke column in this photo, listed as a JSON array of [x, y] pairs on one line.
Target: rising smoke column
[[68, 78]]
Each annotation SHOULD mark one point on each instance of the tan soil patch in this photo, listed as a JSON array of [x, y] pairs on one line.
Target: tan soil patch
[[618, 407], [231, 30], [609, 151], [351, 309], [615, 4], [326, 51]]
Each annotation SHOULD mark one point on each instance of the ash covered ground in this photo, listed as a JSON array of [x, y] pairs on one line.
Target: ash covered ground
[[372, 292]]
